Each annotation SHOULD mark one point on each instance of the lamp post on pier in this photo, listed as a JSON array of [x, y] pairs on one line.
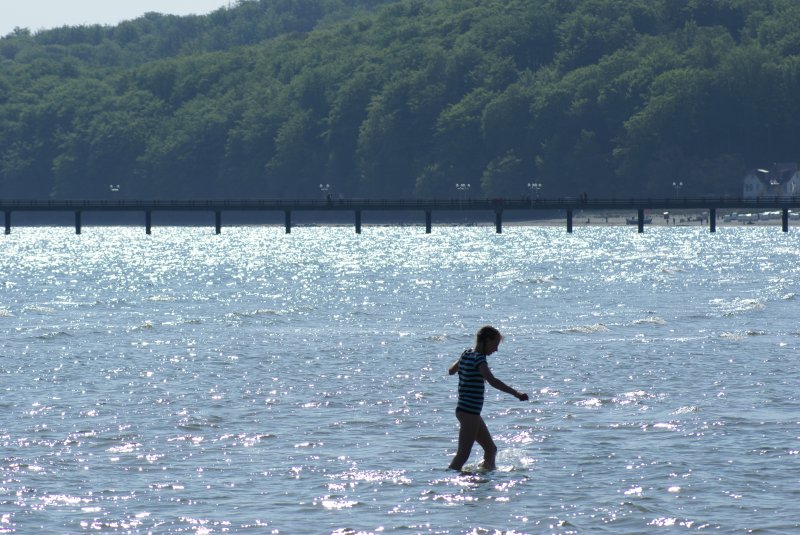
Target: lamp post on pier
[[534, 187], [464, 189], [677, 186], [325, 190]]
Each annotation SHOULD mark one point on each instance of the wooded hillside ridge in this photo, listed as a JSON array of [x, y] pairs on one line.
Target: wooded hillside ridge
[[389, 99]]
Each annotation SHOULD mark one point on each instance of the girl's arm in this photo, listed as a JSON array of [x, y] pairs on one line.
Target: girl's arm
[[498, 384], [454, 368]]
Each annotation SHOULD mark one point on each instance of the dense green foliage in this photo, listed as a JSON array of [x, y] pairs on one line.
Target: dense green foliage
[[381, 98]]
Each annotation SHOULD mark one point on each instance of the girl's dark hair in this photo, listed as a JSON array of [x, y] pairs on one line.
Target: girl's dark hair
[[484, 334]]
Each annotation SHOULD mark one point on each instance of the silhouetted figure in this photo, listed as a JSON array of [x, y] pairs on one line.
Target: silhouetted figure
[[473, 372]]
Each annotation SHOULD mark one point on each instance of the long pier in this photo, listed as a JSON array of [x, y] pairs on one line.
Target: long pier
[[498, 207]]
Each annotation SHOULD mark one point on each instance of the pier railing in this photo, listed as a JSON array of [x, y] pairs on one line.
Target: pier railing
[[567, 205]]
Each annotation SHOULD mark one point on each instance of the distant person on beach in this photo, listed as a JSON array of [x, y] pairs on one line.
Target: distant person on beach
[[473, 371]]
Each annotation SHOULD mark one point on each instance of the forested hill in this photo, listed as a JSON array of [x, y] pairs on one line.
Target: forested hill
[[271, 98]]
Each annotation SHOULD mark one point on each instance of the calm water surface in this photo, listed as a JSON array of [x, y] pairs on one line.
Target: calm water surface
[[256, 381]]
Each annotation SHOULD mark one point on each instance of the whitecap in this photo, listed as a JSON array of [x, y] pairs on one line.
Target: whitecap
[[146, 326], [162, 298], [125, 448], [504, 274], [374, 476], [337, 504], [583, 329], [653, 320], [665, 425], [53, 335], [686, 410], [732, 336], [38, 309], [738, 305], [631, 397], [542, 279]]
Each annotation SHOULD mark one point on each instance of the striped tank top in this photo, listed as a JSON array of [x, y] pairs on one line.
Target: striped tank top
[[470, 382]]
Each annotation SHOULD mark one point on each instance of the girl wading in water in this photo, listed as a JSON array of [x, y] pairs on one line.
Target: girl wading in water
[[473, 372]]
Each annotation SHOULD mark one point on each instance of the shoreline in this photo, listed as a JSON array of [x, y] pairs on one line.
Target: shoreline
[[586, 218]]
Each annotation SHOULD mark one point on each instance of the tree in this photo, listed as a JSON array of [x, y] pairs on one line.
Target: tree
[[504, 176], [397, 98]]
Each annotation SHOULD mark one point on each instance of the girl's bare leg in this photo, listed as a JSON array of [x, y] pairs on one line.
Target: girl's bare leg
[[467, 434], [484, 438]]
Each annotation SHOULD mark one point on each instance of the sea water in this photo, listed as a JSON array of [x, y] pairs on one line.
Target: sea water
[[254, 381]]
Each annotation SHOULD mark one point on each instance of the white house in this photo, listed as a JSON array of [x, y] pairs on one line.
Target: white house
[[781, 180]]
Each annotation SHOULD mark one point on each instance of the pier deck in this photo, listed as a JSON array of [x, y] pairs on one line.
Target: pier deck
[[568, 206]]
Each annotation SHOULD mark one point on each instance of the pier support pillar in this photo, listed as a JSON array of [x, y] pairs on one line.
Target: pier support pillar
[[8, 222], [498, 221], [287, 221], [641, 220], [358, 221], [218, 221], [785, 219], [428, 222], [712, 219], [77, 222], [569, 221], [148, 222]]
